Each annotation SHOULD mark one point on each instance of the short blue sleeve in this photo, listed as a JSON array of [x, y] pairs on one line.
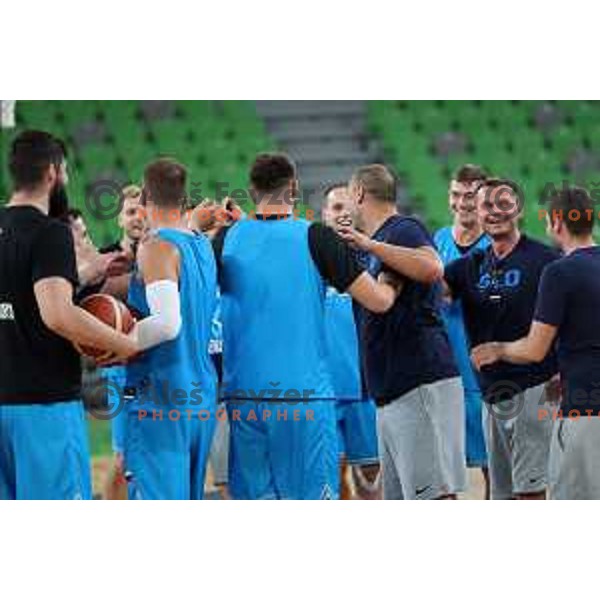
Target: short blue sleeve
[[552, 295]]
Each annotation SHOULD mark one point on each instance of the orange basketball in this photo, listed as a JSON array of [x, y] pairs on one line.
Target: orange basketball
[[109, 310]]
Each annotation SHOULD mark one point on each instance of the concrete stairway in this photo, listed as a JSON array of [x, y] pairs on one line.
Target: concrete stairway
[[327, 139]]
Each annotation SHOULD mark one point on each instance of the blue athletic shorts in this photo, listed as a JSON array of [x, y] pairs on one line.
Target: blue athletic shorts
[[44, 452], [165, 458], [357, 431], [116, 378], [476, 453], [283, 451]]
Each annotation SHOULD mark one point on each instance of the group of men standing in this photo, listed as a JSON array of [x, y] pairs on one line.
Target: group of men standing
[[355, 337]]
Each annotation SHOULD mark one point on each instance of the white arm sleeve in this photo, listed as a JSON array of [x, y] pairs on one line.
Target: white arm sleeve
[[164, 322]]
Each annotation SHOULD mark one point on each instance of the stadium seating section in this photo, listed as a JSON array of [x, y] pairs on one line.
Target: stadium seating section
[[113, 140], [537, 143]]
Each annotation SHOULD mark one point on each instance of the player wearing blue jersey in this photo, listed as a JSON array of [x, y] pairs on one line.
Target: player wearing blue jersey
[[462, 237], [281, 403], [356, 414], [171, 388], [566, 311]]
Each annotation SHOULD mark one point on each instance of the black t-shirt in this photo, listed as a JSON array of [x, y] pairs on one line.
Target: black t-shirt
[[36, 365], [569, 299], [338, 264], [498, 299], [407, 346]]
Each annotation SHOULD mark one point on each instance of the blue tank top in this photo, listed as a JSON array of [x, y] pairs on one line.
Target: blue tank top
[[273, 313], [342, 345], [183, 365], [452, 313]]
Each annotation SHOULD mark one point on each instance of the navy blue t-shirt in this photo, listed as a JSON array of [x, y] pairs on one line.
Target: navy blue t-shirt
[[407, 346], [498, 298], [569, 299]]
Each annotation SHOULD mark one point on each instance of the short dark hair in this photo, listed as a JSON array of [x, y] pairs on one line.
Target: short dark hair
[[378, 181], [469, 173], [31, 154], [576, 209], [165, 180], [270, 172]]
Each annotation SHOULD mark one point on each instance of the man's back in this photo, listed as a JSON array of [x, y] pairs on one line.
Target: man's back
[[569, 299], [275, 357], [273, 310], [182, 362]]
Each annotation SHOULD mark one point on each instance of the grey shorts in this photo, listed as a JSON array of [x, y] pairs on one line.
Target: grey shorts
[[574, 471], [518, 439], [422, 442]]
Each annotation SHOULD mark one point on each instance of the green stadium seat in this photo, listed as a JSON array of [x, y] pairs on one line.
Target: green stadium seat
[[503, 139], [192, 110]]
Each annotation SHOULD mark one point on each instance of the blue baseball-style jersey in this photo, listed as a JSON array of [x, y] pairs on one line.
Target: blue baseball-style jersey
[[407, 346], [183, 363], [498, 299], [569, 299], [452, 312], [342, 345]]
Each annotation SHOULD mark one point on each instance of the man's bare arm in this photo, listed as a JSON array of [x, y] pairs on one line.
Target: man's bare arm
[[54, 296], [375, 296], [419, 264], [530, 349]]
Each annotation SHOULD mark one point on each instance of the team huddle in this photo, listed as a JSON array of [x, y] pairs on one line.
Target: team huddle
[[358, 356]]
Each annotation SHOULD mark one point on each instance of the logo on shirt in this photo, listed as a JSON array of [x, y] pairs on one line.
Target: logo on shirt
[[6, 312], [502, 280]]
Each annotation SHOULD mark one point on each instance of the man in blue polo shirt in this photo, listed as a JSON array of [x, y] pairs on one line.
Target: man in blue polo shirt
[[465, 235], [497, 288], [567, 311], [408, 361]]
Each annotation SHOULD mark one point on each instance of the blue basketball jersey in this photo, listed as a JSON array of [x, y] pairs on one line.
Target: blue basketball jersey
[[452, 313], [273, 313], [183, 365], [342, 345]]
